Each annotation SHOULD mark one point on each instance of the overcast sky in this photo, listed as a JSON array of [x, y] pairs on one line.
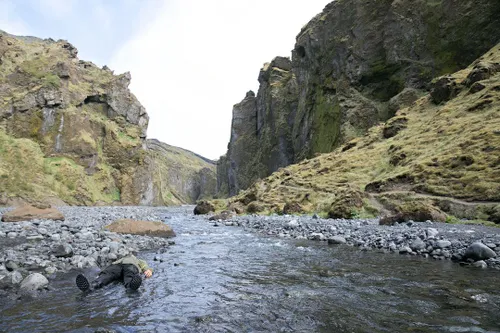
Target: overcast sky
[[191, 60]]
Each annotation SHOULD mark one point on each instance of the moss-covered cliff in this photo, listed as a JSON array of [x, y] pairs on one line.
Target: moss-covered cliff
[[353, 66], [71, 131], [440, 156]]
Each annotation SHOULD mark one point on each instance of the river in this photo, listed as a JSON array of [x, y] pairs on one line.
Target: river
[[228, 279]]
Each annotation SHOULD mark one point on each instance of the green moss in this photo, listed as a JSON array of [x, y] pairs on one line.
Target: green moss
[[454, 220], [326, 123]]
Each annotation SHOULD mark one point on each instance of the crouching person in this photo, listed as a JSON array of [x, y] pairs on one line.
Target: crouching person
[[127, 270]]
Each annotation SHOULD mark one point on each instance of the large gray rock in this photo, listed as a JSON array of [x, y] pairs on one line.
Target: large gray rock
[[478, 251], [33, 282]]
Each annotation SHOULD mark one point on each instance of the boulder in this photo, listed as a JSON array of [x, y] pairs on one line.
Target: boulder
[[478, 251], [444, 89], [28, 213], [203, 207], [145, 228], [403, 99], [35, 281]]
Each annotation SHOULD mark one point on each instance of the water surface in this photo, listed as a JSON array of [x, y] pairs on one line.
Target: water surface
[[226, 279]]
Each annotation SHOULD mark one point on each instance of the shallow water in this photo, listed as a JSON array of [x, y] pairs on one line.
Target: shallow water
[[225, 279]]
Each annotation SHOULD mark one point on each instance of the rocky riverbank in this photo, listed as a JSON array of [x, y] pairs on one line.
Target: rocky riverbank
[[43, 248], [474, 245]]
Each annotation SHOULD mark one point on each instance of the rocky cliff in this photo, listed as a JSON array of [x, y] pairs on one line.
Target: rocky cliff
[[438, 159], [353, 66], [71, 131]]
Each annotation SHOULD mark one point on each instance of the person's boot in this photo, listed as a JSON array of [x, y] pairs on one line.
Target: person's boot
[[136, 282], [82, 282]]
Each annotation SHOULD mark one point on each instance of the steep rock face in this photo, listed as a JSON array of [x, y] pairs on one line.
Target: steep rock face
[[176, 176], [438, 155], [349, 66], [70, 130], [261, 129]]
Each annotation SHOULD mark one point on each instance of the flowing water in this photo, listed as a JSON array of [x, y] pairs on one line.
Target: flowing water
[[226, 279]]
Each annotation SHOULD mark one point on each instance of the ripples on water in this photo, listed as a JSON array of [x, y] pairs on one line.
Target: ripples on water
[[228, 280]]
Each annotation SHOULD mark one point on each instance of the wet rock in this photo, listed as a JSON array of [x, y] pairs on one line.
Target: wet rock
[[480, 264], [28, 213], [12, 234], [136, 227], [478, 251], [405, 250], [337, 240], [35, 281]]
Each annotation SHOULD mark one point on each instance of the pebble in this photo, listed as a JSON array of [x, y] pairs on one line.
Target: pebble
[[442, 244]]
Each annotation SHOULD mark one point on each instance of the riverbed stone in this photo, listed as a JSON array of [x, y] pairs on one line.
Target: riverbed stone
[[432, 232], [417, 245], [62, 251], [34, 281], [337, 240], [442, 244], [16, 277], [478, 251], [11, 266], [12, 234]]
